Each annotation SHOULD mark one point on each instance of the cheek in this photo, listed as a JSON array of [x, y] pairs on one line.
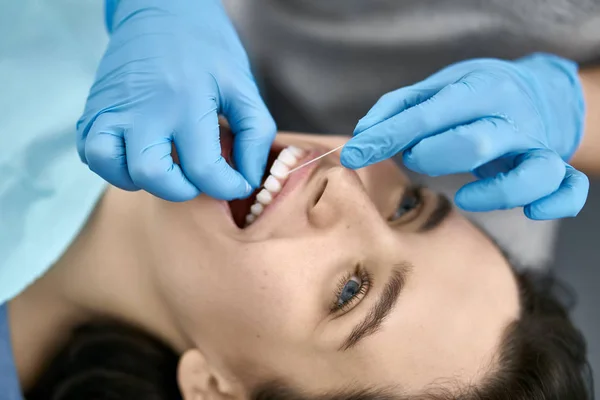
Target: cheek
[[274, 287]]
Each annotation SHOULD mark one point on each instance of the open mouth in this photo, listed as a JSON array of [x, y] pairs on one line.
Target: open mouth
[[280, 161]]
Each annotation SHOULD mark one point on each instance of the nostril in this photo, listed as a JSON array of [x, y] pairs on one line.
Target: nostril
[[320, 192]]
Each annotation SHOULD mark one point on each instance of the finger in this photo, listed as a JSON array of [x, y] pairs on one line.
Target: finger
[[466, 147], [104, 151], [253, 128], [537, 174], [150, 163], [567, 201], [395, 102], [83, 127], [450, 107], [199, 149]]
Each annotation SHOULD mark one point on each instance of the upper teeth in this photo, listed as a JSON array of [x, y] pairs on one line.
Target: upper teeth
[[286, 160]]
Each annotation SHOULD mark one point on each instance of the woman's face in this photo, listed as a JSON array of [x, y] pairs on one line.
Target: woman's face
[[350, 280]]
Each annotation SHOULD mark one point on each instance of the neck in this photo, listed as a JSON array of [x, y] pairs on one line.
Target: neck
[[106, 273]]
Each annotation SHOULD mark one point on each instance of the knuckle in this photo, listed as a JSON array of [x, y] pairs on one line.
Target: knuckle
[[474, 81], [261, 125], [553, 166], [170, 84], [384, 148], [271, 126], [388, 97], [471, 84], [388, 146], [172, 80], [267, 127], [520, 175], [504, 198], [490, 123], [504, 191], [494, 77], [557, 170], [505, 84], [579, 180], [97, 153], [81, 126], [202, 171], [143, 173], [482, 146], [578, 185], [425, 121]]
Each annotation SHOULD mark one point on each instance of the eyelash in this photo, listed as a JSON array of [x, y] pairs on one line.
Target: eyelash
[[366, 281], [414, 193]]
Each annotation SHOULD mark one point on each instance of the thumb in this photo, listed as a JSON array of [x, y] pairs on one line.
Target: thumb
[[253, 128]]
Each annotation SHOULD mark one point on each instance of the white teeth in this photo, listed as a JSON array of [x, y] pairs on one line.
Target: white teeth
[[272, 184], [264, 197], [257, 209], [279, 170], [288, 158], [297, 152]]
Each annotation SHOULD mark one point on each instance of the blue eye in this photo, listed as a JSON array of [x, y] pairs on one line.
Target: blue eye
[[350, 290], [411, 200]]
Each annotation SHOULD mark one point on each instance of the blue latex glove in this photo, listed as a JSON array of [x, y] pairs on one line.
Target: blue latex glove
[[170, 68], [514, 125]]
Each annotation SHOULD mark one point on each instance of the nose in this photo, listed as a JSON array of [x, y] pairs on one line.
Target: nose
[[345, 202]]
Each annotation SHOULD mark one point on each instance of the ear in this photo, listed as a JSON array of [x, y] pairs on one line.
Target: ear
[[198, 380]]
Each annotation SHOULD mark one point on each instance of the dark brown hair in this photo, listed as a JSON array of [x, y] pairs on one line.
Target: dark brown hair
[[543, 357]]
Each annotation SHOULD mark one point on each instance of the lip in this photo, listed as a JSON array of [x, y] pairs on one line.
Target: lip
[[295, 181]]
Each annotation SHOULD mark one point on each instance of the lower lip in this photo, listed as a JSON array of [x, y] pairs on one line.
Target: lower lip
[[225, 206]]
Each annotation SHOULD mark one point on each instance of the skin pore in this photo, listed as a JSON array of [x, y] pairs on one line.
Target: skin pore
[[434, 295]]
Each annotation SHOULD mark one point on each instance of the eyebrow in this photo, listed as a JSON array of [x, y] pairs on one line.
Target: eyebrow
[[382, 309], [443, 208]]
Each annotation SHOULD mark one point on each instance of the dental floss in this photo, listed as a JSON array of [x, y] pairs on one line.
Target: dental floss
[[310, 162], [315, 159]]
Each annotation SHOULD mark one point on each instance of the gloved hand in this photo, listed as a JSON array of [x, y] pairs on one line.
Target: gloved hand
[[170, 68], [514, 125]]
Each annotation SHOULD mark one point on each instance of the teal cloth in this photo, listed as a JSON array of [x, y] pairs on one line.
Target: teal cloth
[[47, 65], [9, 380]]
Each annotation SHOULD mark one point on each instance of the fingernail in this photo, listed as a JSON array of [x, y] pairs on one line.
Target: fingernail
[[351, 157]]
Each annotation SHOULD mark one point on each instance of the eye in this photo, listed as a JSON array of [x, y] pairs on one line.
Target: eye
[[411, 202], [351, 288]]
